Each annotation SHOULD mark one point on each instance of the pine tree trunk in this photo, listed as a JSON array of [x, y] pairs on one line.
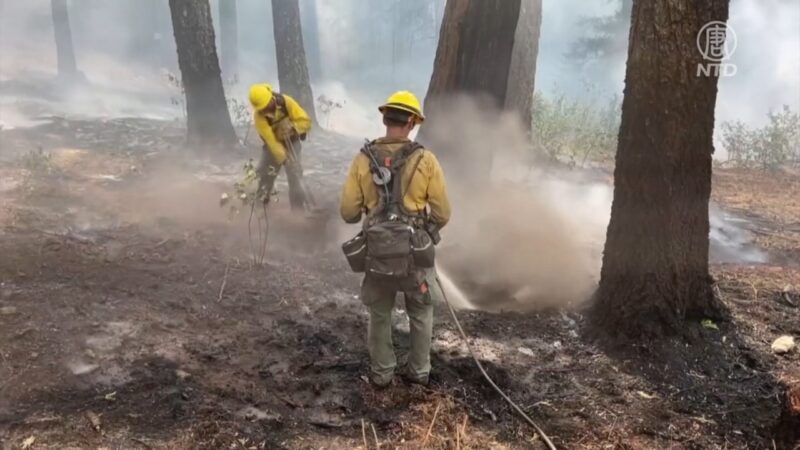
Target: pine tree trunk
[[310, 26], [522, 72], [476, 42], [655, 265], [487, 49], [229, 38], [65, 52], [291, 55], [208, 120]]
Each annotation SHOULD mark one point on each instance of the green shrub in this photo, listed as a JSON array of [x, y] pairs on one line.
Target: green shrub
[[574, 131], [774, 145]]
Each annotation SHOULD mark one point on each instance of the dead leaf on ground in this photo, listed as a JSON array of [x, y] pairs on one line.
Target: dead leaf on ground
[[28, 443], [709, 324]]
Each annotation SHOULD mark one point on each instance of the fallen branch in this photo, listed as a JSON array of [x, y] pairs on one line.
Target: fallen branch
[[375, 435], [224, 282], [162, 243], [433, 422], [755, 291], [461, 430], [364, 434]]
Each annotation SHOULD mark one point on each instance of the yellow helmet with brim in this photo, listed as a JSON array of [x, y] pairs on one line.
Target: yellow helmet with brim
[[404, 101], [260, 96]]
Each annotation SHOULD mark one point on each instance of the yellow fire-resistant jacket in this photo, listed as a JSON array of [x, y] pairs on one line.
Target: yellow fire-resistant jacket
[[426, 189], [283, 122]]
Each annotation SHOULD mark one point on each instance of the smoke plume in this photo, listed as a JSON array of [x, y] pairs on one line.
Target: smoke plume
[[519, 238]]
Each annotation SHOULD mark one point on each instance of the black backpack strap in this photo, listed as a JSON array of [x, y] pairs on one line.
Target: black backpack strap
[[391, 195], [371, 155], [280, 101], [398, 164], [374, 167]]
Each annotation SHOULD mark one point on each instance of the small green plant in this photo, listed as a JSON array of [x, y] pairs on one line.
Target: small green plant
[[39, 163], [246, 195], [245, 192], [774, 145], [575, 132]]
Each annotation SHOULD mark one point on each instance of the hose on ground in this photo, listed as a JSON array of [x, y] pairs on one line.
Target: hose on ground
[[472, 353]]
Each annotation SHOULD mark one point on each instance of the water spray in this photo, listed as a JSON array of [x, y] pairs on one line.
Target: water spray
[[459, 299]]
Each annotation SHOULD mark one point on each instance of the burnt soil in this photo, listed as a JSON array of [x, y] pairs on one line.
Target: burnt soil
[[116, 332]]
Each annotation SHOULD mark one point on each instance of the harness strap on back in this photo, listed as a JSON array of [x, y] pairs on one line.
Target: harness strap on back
[[391, 201], [280, 102]]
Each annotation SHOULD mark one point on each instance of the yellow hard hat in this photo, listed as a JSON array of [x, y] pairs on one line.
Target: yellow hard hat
[[404, 101], [260, 96]]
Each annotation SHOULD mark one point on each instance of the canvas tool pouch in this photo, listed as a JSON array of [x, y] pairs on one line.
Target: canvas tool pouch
[[423, 249], [389, 254], [355, 250], [283, 129]]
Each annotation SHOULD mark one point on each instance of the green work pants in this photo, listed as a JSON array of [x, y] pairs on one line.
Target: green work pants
[[379, 297], [268, 170]]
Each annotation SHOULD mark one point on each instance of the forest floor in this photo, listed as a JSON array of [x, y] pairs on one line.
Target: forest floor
[[131, 317]]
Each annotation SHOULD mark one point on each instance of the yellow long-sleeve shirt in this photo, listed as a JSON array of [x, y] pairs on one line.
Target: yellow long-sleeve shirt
[[426, 188], [283, 121]]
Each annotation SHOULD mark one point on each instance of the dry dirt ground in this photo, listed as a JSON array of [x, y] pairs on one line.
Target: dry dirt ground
[[131, 317]]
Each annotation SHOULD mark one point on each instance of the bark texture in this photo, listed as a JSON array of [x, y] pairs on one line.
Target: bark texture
[[208, 120], [291, 55], [655, 265], [487, 49], [522, 71], [229, 38], [65, 52], [476, 42]]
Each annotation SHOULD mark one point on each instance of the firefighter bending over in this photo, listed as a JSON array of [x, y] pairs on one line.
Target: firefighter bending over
[[282, 124]]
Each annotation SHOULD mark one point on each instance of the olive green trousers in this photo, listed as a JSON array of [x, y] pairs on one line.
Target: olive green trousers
[[379, 297], [268, 170]]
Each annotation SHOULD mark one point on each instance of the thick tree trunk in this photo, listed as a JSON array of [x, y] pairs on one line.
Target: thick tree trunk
[[522, 72], [229, 38], [208, 120], [476, 42], [65, 52], [655, 265], [291, 55], [310, 26], [487, 49]]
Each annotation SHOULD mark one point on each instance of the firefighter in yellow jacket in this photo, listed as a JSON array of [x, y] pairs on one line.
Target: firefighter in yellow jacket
[[282, 124], [399, 187]]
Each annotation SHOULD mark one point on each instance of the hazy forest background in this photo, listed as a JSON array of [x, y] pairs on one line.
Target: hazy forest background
[[624, 251]]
